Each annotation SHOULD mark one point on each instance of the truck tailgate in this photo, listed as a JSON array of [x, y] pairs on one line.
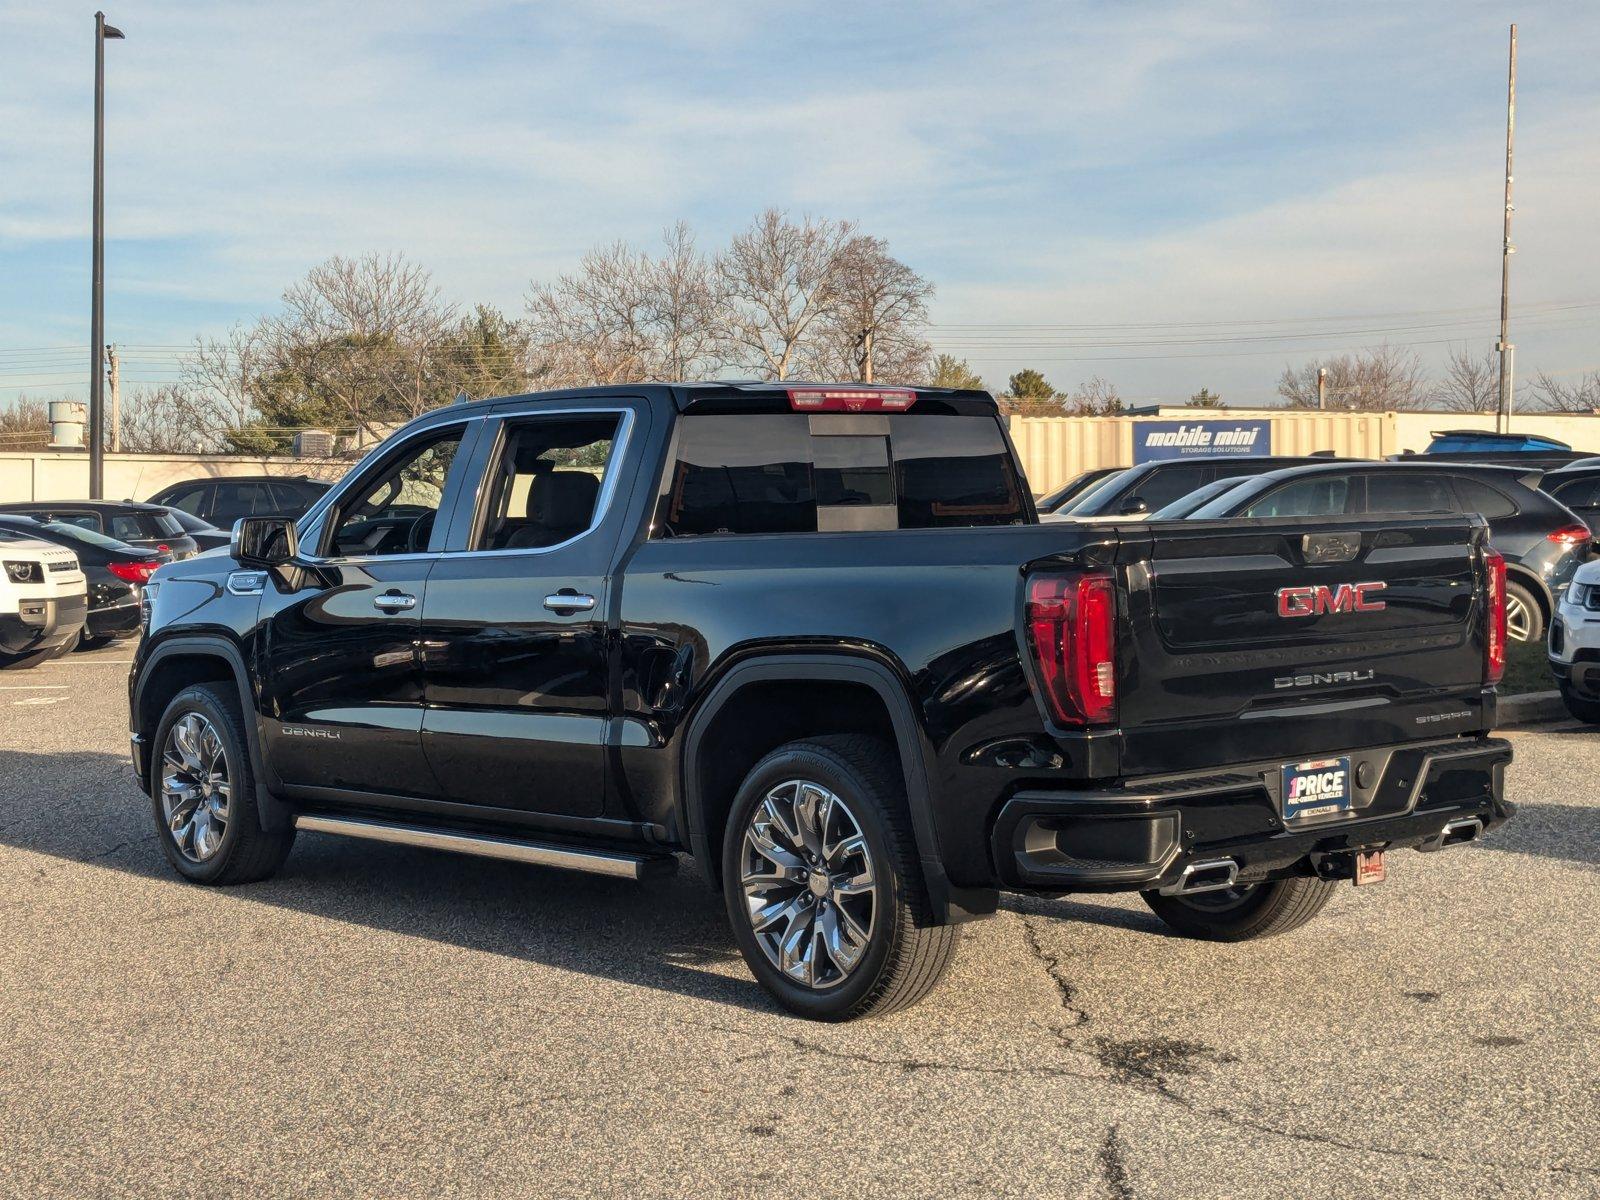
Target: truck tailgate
[[1279, 637]]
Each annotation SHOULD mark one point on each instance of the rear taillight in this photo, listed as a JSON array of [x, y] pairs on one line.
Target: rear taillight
[[132, 571], [1571, 536], [1072, 634], [851, 399], [1494, 665]]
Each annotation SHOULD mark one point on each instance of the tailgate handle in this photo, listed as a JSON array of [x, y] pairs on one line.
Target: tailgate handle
[[1330, 547]]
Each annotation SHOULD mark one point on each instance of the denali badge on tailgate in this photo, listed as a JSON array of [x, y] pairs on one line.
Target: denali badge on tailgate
[[1314, 600]]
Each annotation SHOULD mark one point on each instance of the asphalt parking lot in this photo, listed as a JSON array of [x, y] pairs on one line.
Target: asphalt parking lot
[[385, 1021]]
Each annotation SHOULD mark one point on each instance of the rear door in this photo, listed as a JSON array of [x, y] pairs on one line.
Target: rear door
[[515, 660], [1282, 638]]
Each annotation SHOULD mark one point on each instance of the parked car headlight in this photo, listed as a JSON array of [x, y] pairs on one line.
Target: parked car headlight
[[24, 572], [1578, 593]]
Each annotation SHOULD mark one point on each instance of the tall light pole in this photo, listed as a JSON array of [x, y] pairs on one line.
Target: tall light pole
[[97, 316], [1504, 346]]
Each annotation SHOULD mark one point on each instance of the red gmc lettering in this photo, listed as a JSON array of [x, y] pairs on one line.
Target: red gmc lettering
[[1314, 601]]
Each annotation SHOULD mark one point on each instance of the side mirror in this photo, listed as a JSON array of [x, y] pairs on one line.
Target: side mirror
[[263, 541], [1133, 506]]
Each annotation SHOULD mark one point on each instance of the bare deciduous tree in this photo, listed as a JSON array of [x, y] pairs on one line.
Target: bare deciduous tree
[[1374, 380], [685, 302], [1095, 398], [25, 425], [1471, 383], [624, 316], [779, 280], [872, 331], [592, 326], [170, 419], [1581, 396]]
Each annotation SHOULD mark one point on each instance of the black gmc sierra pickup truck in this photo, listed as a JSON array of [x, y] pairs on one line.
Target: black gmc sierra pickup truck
[[816, 637]]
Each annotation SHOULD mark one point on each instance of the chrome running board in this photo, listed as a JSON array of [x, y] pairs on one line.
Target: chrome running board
[[617, 864]]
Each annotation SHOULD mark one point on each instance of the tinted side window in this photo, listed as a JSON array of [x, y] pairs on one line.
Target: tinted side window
[[189, 499], [1408, 492], [1477, 497], [1578, 493], [1161, 488], [235, 500], [749, 474], [1323, 496]]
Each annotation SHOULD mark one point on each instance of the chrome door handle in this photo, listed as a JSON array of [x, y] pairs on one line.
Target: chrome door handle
[[394, 601], [568, 602]]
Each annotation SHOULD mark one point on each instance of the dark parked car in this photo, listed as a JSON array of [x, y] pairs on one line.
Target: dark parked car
[[1147, 487], [206, 535], [1543, 542], [148, 526], [1577, 487], [222, 501], [115, 572], [1075, 487], [817, 637]]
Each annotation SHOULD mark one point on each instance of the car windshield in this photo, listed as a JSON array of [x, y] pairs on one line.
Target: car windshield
[[1106, 488], [188, 522], [1185, 506], [88, 537], [1078, 485]]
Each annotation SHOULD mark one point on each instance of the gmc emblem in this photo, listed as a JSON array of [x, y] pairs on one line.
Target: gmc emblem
[[1314, 601]]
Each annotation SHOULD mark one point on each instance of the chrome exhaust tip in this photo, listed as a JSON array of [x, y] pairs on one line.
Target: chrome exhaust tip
[[1455, 833], [1210, 876]]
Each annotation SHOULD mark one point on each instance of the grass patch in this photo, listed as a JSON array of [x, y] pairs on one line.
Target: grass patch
[[1527, 669]]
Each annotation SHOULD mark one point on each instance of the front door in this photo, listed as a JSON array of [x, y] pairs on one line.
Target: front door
[[514, 631], [341, 680]]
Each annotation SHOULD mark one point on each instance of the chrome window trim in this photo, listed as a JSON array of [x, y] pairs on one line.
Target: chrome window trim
[[608, 483]]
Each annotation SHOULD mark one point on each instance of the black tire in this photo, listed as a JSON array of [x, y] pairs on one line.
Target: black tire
[[906, 953], [246, 852], [26, 662], [1250, 911], [1587, 711], [1517, 593]]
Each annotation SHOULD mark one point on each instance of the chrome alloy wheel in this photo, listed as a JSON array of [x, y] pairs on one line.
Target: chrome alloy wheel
[[1519, 621], [195, 793], [810, 889]]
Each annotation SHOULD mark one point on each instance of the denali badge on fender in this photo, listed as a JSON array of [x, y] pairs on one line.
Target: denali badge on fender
[[1315, 600]]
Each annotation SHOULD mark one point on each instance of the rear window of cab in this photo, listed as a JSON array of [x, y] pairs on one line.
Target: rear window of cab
[[836, 473]]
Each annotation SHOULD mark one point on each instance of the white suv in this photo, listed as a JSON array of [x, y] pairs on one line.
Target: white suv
[[1575, 643], [43, 600]]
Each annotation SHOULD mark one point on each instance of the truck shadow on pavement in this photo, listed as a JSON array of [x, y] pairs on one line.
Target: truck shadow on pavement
[[669, 934]]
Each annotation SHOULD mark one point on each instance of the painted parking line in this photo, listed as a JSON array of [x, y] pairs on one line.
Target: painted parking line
[[33, 687]]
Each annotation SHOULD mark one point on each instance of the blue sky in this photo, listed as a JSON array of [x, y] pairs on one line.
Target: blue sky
[[1163, 174]]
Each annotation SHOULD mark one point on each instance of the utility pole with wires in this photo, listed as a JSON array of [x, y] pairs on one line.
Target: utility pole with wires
[[1504, 346], [1322, 388], [114, 381]]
